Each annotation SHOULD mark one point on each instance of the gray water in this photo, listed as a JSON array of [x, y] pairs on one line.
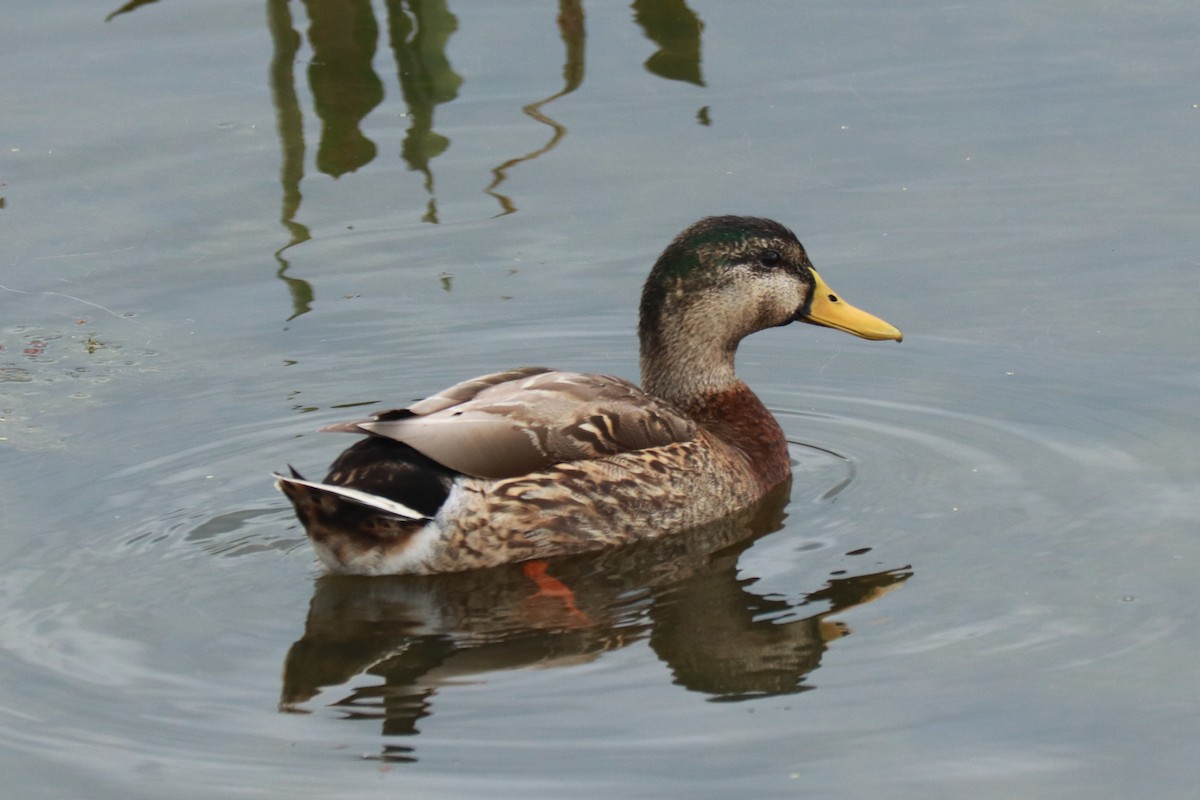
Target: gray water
[[225, 225]]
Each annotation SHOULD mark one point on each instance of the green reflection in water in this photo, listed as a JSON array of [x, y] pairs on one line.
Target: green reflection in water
[[345, 89], [676, 29], [130, 6], [418, 31]]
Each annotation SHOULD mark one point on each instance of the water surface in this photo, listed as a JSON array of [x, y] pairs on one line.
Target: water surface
[[227, 225]]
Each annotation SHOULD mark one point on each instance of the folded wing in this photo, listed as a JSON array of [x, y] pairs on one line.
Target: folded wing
[[512, 423]]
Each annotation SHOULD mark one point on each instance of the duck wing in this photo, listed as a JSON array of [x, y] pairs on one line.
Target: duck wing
[[509, 424]]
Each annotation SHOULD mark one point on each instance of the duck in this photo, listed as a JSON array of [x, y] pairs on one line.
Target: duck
[[534, 463]]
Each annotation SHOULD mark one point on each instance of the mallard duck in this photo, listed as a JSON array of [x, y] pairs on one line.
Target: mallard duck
[[533, 463]]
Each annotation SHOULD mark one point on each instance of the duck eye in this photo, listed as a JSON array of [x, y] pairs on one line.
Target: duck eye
[[769, 258]]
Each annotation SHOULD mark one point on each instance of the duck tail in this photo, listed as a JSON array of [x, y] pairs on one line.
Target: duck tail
[[297, 489]]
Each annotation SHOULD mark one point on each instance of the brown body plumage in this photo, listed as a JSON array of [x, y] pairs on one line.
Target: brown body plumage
[[533, 463]]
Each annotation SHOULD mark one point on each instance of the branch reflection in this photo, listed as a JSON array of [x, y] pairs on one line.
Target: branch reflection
[[343, 36], [570, 26], [289, 122]]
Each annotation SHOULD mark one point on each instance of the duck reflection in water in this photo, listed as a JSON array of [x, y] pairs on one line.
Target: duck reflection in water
[[421, 635]]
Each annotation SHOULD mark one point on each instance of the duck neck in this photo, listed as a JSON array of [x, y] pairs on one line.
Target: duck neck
[[688, 344], [699, 380], [687, 366]]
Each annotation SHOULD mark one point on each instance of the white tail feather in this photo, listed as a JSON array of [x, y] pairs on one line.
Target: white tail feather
[[356, 496]]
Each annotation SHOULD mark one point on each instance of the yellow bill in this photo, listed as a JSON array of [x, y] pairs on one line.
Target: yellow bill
[[826, 308]]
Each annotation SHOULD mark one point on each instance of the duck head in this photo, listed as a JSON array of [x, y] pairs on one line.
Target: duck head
[[720, 280]]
